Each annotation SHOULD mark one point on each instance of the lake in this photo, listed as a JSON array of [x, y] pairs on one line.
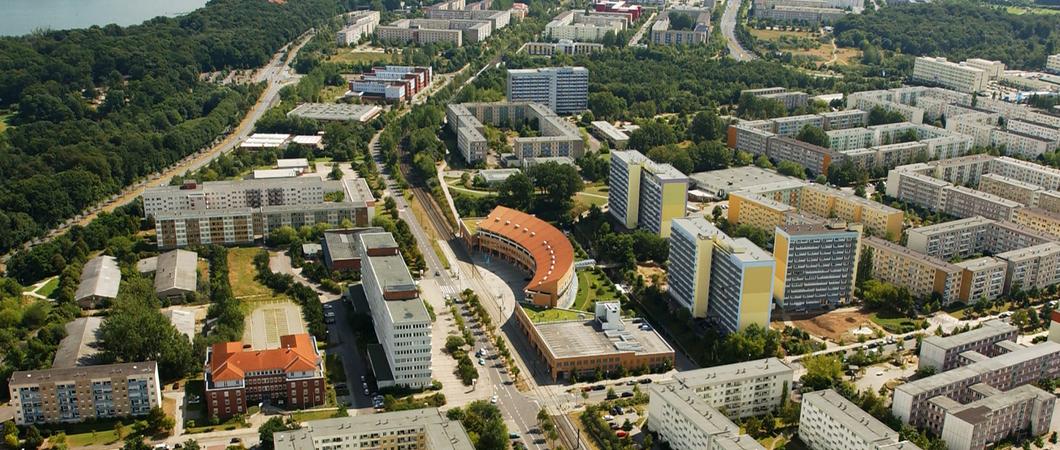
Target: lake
[[23, 16]]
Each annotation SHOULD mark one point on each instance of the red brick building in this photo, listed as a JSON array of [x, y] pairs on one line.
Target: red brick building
[[291, 376]]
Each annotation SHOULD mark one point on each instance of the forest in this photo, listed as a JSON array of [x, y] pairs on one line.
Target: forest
[[93, 110], [956, 29]]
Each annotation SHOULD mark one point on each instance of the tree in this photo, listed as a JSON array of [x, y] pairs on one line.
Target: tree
[[557, 183], [652, 134], [606, 105], [813, 135], [822, 372], [158, 421], [453, 343], [763, 162], [880, 116], [135, 330], [484, 424], [706, 126], [516, 192], [672, 155], [275, 424], [791, 169]]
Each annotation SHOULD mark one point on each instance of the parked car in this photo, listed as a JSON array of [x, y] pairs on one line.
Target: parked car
[[627, 394], [493, 399], [609, 417], [481, 362], [621, 433], [513, 435], [644, 381], [599, 387]]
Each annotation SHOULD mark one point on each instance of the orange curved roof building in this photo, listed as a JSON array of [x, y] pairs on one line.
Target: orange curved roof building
[[534, 245]]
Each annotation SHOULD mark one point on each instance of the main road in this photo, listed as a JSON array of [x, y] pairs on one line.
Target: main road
[[728, 29]]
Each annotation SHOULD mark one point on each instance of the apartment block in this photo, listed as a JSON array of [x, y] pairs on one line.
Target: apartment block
[[358, 24], [633, 11], [686, 422], [402, 324], [406, 31], [1011, 189], [563, 47], [237, 376], [828, 421], [426, 429], [812, 157], [1032, 267], [82, 393], [967, 202], [747, 208], [713, 275], [391, 83], [964, 238], [960, 77], [914, 402], [585, 27], [790, 100], [878, 219], [496, 19], [993, 416], [1027, 172], [745, 389], [923, 275], [238, 212], [802, 14], [663, 34], [816, 266], [564, 90], [1049, 201], [1039, 219], [1052, 63], [557, 137], [644, 193], [943, 353]]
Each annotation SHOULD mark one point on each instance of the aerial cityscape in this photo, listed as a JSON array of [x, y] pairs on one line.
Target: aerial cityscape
[[550, 224]]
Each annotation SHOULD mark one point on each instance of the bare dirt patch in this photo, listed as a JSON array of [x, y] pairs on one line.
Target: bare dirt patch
[[837, 325], [648, 271]]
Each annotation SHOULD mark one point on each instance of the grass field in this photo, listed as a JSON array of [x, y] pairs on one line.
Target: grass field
[[241, 274], [49, 288], [352, 56], [317, 414], [894, 323], [587, 294], [455, 186], [1018, 10], [542, 315], [822, 52], [103, 437], [331, 93]]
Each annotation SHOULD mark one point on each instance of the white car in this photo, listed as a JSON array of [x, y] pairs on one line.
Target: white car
[[493, 399]]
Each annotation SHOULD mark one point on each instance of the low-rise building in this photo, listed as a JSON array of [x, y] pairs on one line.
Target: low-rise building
[[82, 393], [828, 421], [341, 248], [942, 353], [176, 274], [614, 137], [664, 33], [644, 193], [816, 266], [426, 429], [100, 279], [335, 112], [291, 376], [992, 416], [407, 31], [390, 84], [603, 344]]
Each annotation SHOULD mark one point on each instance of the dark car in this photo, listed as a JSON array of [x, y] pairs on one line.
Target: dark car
[[599, 387], [627, 394], [644, 381]]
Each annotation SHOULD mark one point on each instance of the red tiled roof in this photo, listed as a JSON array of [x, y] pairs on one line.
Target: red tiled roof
[[552, 251], [229, 361]]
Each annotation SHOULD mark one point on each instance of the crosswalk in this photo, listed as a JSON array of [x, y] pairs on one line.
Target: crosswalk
[[449, 290]]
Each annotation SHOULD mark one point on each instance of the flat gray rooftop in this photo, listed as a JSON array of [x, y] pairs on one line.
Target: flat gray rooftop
[[439, 432], [979, 369], [176, 269], [100, 277], [335, 111], [990, 329], [576, 338], [850, 416], [735, 179], [82, 373], [733, 372]]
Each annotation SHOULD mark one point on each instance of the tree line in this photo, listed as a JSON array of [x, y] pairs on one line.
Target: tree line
[[95, 109]]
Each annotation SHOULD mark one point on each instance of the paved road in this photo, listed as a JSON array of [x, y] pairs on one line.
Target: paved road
[[640, 32], [728, 29]]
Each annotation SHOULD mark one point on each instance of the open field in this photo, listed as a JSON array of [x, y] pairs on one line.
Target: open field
[[352, 56], [895, 324], [315, 414], [588, 294], [1018, 10], [821, 52], [330, 94], [836, 325], [49, 288], [241, 273]]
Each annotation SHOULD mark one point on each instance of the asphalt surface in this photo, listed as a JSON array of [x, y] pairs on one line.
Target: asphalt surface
[[728, 29]]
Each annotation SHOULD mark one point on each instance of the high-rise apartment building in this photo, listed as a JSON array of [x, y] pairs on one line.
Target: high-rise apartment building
[[716, 276], [564, 90], [88, 392], [402, 324], [950, 75], [644, 193], [828, 421], [816, 266]]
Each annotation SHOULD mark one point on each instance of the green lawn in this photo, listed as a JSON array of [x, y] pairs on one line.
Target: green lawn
[[351, 56], [542, 315], [333, 365], [588, 294], [49, 288], [104, 437], [962, 312], [241, 273], [316, 414], [455, 186], [330, 93], [895, 323], [1018, 10]]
